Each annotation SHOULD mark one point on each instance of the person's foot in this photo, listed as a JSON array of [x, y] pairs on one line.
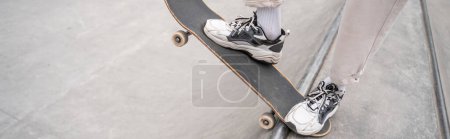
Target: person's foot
[[244, 34], [309, 116]]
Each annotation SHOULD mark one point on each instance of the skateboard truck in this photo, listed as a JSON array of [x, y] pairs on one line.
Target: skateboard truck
[[180, 38]]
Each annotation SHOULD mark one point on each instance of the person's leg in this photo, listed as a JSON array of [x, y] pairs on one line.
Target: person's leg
[[269, 16], [269, 19], [363, 27], [260, 35]]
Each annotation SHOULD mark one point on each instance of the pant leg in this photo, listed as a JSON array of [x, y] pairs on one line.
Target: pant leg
[[363, 27], [263, 3]]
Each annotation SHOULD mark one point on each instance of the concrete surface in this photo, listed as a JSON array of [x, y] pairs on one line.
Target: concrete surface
[[107, 69], [395, 96]]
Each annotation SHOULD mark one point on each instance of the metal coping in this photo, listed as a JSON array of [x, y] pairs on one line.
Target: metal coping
[[439, 93]]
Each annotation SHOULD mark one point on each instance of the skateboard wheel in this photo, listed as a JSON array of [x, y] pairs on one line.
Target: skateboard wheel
[[267, 120], [180, 38]]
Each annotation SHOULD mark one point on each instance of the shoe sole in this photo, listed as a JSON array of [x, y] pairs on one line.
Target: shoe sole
[[256, 53]]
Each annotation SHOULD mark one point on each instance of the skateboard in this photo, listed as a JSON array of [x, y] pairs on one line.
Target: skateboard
[[263, 79]]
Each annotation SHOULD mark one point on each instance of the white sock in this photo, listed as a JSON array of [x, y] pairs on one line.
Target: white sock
[[269, 19]]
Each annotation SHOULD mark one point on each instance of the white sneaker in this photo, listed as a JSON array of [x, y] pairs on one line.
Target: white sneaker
[[309, 116], [245, 35]]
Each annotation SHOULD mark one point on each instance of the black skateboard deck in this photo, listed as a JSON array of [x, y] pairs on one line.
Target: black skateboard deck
[[264, 79]]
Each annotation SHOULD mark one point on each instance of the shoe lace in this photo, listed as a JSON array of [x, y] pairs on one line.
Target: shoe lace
[[324, 96], [316, 98], [242, 23], [335, 95]]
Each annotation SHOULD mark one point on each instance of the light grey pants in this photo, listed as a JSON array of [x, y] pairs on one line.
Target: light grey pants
[[363, 26]]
